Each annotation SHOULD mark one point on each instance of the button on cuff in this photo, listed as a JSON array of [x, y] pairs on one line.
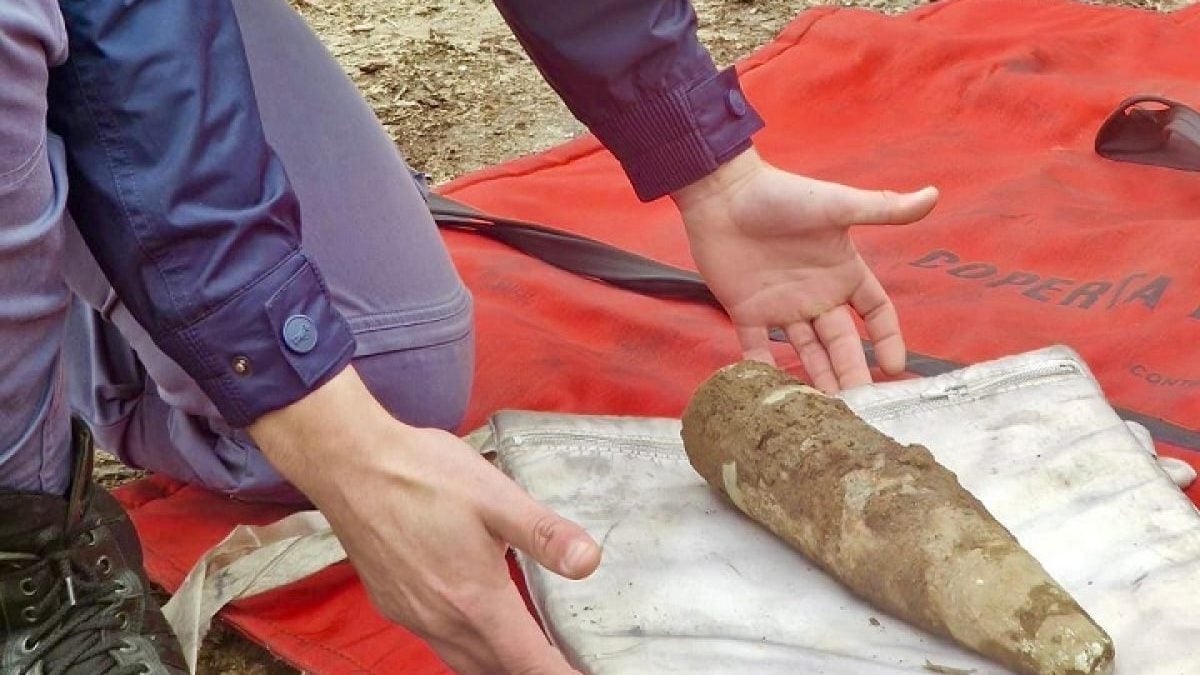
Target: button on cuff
[[736, 103], [303, 320], [240, 365], [300, 333], [668, 142], [239, 353]]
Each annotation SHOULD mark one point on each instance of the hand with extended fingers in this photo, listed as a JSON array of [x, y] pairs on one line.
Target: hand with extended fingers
[[775, 249]]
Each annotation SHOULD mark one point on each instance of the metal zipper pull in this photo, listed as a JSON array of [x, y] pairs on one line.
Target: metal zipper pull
[[945, 393]]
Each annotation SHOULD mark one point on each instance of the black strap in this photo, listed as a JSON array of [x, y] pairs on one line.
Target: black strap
[[576, 253]]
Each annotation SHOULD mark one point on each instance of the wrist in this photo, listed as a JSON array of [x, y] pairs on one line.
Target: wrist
[[319, 439], [720, 182]]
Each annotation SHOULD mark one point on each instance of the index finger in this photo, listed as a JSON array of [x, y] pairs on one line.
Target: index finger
[[756, 343]]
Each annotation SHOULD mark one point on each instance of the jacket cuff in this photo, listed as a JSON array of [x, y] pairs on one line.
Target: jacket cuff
[[268, 346], [669, 142]]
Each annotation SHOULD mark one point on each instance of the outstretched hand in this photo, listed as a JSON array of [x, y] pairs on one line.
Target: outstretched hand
[[776, 251]]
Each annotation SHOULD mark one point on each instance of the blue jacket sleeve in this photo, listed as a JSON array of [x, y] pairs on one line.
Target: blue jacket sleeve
[[635, 73], [185, 206]]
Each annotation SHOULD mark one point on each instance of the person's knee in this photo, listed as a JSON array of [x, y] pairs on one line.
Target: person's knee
[[427, 386]]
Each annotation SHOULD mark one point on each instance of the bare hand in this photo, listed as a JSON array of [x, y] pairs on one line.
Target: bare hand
[[775, 249], [426, 522]]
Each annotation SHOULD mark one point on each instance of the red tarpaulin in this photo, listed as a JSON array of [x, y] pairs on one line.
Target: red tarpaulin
[[1037, 240]]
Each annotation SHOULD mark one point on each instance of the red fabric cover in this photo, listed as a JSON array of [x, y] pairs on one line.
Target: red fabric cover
[[995, 101]]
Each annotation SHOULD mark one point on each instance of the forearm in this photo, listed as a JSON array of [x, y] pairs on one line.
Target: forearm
[[185, 206], [636, 74]]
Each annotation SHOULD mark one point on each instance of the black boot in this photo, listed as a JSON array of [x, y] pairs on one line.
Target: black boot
[[73, 596]]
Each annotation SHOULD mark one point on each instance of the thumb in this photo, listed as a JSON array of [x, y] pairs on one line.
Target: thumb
[[556, 543], [884, 207]]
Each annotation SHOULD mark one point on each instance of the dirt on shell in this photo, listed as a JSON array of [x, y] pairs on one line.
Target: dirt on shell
[[818, 476], [893, 525]]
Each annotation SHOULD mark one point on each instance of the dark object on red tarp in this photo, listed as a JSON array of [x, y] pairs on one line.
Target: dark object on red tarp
[[1037, 240], [1165, 133]]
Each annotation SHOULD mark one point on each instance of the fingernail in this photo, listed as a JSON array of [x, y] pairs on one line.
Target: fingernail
[[578, 556]]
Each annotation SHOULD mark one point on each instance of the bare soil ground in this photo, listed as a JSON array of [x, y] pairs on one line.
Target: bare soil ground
[[456, 92]]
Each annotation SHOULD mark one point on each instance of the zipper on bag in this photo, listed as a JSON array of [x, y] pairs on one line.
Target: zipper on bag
[[969, 391]]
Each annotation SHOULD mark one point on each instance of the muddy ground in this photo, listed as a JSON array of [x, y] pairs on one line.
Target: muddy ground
[[456, 92]]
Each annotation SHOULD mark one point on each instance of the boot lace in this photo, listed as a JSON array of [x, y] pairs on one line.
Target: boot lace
[[86, 626]]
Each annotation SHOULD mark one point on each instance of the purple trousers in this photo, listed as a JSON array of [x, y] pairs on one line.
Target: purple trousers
[[69, 345]]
